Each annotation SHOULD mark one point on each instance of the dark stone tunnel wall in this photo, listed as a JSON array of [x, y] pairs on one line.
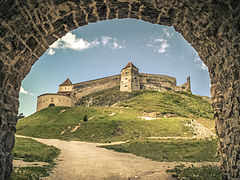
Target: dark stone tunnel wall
[[212, 27]]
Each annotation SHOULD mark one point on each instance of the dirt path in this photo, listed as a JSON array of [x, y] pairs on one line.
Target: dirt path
[[83, 160]]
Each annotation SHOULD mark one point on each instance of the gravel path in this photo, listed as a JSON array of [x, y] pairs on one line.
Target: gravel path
[[86, 161]]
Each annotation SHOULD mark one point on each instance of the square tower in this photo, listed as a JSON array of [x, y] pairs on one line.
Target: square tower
[[130, 78], [66, 87]]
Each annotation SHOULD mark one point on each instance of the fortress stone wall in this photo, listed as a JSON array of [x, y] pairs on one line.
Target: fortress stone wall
[[46, 100], [156, 82], [88, 87], [129, 80], [184, 87]]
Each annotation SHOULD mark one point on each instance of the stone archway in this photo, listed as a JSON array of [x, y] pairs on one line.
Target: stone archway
[[212, 27]]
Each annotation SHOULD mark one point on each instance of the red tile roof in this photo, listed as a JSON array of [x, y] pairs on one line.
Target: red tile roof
[[66, 83]]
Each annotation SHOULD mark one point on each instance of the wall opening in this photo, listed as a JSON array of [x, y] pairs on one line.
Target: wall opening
[[51, 105]]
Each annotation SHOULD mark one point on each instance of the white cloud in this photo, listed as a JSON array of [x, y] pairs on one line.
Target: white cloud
[[31, 94], [200, 63], [51, 52], [23, 91], [105, 40], [167, 33], [112, 43], [159, 44], [70, 41], [116, 45], [197, 58], [204, 67], [95, 43]]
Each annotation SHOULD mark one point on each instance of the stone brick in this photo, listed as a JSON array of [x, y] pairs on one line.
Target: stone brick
[[67, 20], [101, 10], [211, 27], [32, 43], [9, 10], [50, 39], [150, 15], [3, 31], [135, 8], [81, 18], [91, 16]]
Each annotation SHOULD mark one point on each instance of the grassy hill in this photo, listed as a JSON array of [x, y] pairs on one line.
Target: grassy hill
[[180, 104], [101, 126], [122, 122]]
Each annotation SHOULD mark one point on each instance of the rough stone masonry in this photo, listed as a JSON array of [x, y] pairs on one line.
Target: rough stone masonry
[[28, 28]]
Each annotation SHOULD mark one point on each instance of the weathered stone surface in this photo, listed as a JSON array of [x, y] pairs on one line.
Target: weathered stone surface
[[212, 27]]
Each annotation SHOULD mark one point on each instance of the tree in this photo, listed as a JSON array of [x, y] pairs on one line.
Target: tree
[[20, 116]]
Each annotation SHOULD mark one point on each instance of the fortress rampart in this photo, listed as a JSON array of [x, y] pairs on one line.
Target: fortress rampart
[[46, 100], [129, 80], [147, 82], [88, 87], [156, 82]]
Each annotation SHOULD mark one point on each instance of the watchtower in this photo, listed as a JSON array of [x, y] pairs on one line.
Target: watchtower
[[66, 87], [130, 78]]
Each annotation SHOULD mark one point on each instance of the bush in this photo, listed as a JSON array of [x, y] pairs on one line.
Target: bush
[[85, 118]]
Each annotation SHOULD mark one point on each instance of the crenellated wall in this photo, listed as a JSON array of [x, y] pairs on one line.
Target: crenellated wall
[[186, 87]]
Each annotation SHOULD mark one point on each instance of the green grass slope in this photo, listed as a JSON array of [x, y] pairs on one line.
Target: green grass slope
[[101, 126], [171, 150], [180, 104], [117, 123], [32, 151]]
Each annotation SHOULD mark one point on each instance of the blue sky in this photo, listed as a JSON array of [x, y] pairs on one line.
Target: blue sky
[[102, 49]]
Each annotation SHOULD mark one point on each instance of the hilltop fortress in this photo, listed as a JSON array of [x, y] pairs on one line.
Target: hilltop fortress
[[129, 80]]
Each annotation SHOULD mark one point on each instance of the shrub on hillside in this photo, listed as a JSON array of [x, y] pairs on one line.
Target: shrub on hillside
[[85, 118]]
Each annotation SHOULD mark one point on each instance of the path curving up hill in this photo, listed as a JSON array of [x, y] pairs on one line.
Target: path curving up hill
[[86, 161]]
